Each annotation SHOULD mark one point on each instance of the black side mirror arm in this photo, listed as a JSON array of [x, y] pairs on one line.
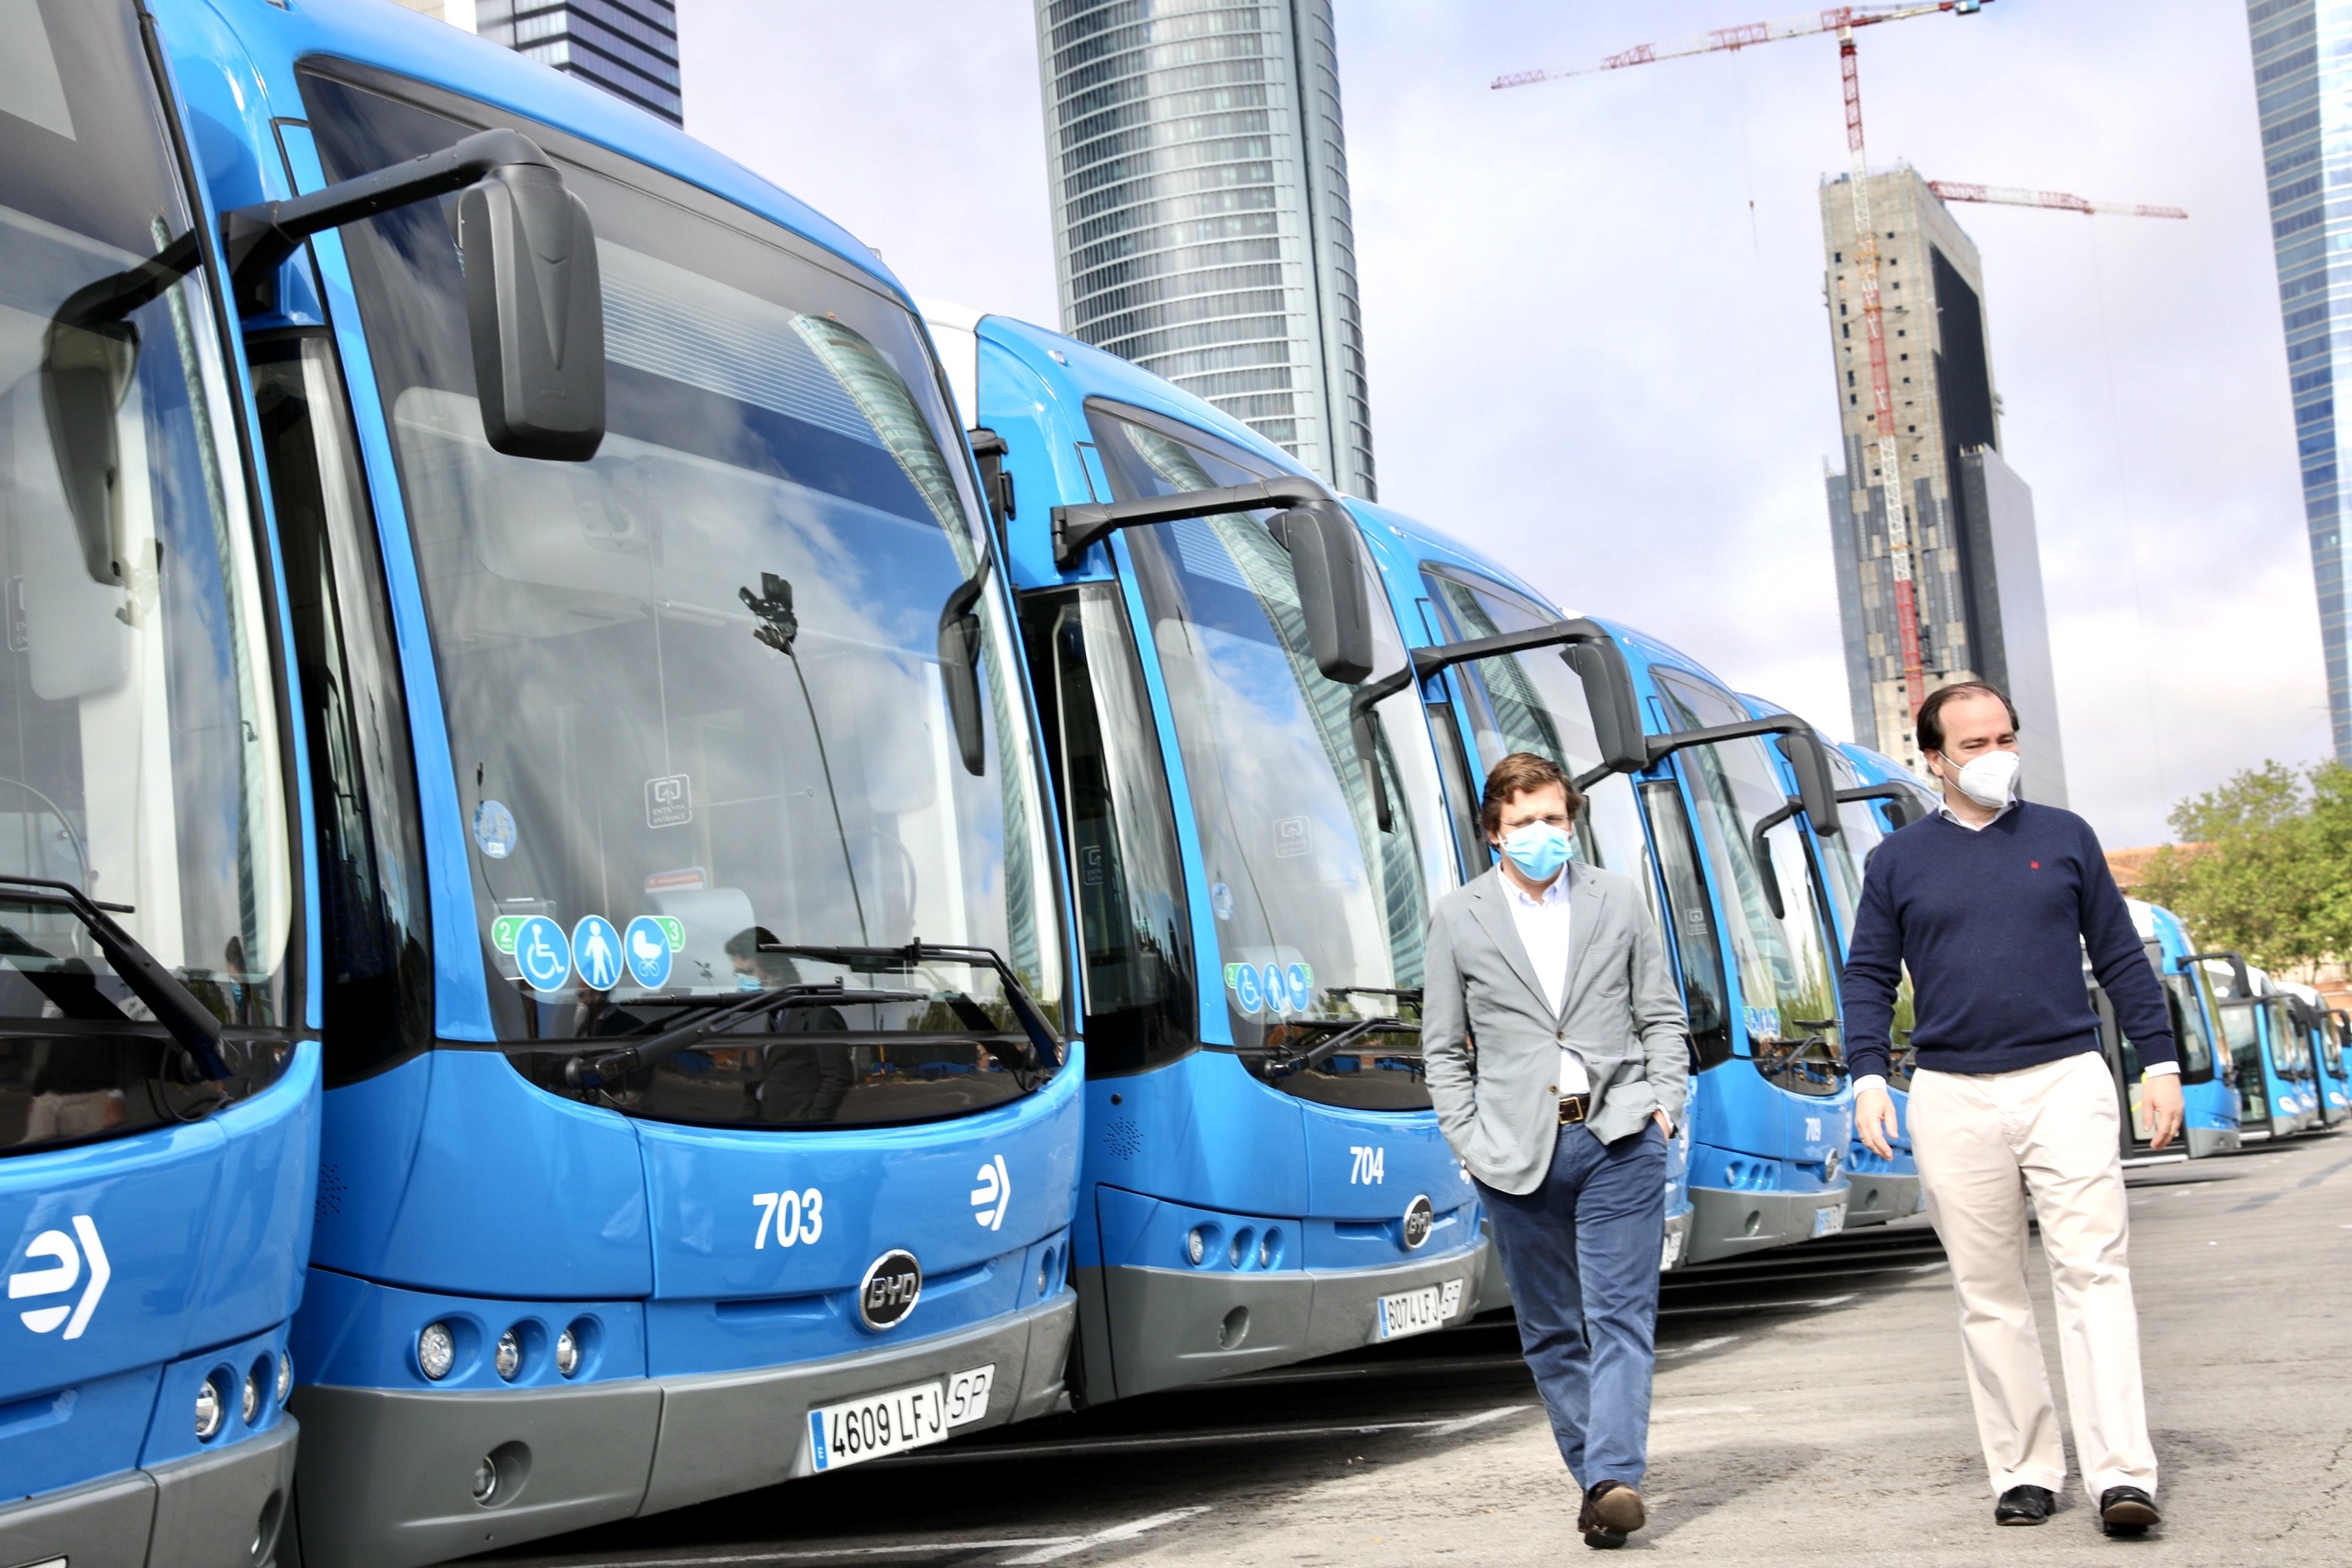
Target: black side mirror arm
[[1078, 529], [2237, 962], [1762, 852], [256, 240], [1817, 800], [1906, 805]]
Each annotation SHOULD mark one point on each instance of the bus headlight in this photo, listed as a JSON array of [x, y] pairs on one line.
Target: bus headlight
[[285, 1376], [437, 1351], [1196, 1246], [210, 1408], [509, 1355], [567, 1353]]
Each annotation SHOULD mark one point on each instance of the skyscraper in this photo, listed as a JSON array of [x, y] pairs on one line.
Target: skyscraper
[[628, 47], [2302, 73], [1201, 221], [1977, 571]]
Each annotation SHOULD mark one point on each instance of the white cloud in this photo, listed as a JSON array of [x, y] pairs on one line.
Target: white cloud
[[1594, 319]]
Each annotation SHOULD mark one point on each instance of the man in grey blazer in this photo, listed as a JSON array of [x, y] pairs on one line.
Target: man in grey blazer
[[1558, 1057]]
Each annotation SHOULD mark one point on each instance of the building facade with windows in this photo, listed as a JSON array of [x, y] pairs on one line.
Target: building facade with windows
[[628, 47], [1977, 573], [2303, 85], [1201, 220]]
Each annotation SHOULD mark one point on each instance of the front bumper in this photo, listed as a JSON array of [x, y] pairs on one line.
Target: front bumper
[[2204, 1140], [218, 1510], [1876, 1199], [387, 1476], [1170, 1327], [1728, 1223]]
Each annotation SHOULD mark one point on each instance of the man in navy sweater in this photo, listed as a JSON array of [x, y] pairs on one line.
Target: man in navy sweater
[[1992, 904]]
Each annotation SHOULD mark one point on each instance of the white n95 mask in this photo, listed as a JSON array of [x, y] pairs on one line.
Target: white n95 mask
[[1990, 780]]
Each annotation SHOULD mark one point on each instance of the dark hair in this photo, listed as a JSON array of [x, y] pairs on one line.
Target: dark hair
[[1930, 722], [1515, 775], [748, 942]]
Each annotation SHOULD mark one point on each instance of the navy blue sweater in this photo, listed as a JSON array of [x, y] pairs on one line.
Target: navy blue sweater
[[1993, 925]]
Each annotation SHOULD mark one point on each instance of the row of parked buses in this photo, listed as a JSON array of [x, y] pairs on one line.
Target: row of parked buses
[[626, 873]]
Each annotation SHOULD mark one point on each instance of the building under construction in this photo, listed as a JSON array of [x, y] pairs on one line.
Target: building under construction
[[1976, 568]]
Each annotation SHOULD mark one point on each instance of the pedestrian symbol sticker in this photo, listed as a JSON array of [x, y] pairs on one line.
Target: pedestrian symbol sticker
[[541, 952], [494, 830], [1277, 990], [597, 952], [647, 944], [1246, 992]]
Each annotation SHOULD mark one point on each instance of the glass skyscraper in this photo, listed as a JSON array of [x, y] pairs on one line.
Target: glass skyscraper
[[1201, 221], [2302, 81], [628, 47]]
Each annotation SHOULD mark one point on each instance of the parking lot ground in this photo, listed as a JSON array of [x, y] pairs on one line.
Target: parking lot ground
[[1810, 1406]]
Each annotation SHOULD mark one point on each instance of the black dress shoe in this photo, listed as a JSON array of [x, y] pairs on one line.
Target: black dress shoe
[[1611, 1511], [2023, 1505], [2128, 1510]]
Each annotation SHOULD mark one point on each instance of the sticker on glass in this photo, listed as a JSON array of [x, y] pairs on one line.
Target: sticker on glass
[[542, 953], [1278, 990], [669, 803], [685, 879], [1246, 994], [1293, 836], [1221, 900], [1302, 984], [503, 930], [646, 943], [596, 953], [494, 830]]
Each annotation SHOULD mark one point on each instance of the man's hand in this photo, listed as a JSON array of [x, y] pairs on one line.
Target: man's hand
[[1666, 1123], [2159, 1096], [1873, 1119]]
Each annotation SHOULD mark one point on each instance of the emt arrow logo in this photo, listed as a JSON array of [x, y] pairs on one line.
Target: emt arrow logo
[[60, 1277], [993, 1196]]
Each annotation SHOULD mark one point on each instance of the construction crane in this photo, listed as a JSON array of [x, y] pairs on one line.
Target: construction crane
[[2057, 201]]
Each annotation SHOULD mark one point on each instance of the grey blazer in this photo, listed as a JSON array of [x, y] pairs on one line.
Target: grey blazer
[[1620, 1011]]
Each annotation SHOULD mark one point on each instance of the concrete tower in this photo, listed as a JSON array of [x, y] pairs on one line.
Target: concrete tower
[[1201, 220], [1979, 571], [2303, 85]]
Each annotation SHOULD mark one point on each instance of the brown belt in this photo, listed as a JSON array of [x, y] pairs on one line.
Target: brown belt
[[1572, 1108]]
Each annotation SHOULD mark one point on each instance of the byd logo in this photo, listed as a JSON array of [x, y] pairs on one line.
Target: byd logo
[[893, 1283], [61, 1277]]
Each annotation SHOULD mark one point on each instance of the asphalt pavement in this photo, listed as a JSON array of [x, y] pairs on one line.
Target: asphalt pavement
[[1810, 1407]]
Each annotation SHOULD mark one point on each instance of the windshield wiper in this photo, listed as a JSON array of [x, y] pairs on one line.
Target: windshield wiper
[[591, 1069], [174, 1005], [1044, 1040]]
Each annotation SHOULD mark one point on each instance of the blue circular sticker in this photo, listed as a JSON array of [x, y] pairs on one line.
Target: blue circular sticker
[[1278, 993], [542, 953], [1245, 991], [596, 953], [1302, 987], [1221, 900], [646, 944], [494, 830]]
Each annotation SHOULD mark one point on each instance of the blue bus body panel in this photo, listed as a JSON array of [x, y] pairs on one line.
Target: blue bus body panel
[[169, 1248], [2211, 1106]]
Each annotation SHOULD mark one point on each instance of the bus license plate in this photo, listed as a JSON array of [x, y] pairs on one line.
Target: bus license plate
[[1418, 1312], [859, 1429], [1829, 1221]]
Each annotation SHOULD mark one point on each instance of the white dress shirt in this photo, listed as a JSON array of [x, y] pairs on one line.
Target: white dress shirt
[[1873, 1081], [1543, 924]]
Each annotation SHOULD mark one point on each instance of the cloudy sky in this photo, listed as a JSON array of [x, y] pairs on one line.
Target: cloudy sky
[[1596, 335]]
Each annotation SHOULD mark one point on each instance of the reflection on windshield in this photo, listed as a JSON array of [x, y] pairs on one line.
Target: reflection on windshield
[[1845, 856], [696, 704], [2239, 1030], [1321, 915]]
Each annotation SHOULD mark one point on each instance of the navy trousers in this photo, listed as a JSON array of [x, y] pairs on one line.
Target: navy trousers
[[1582, 1256]]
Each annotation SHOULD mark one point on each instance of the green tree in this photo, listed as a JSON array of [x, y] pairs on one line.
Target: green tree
[[2264, 865]]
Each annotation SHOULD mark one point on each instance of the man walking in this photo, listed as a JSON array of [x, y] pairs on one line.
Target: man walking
[[1553, 969], [1993, 905]]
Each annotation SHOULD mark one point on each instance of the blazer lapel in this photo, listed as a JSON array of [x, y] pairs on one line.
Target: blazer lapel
[[1486, 899], [1584, 906]]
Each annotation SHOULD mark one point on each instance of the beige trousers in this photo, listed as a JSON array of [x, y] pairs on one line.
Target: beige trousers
[[1985, 1142]]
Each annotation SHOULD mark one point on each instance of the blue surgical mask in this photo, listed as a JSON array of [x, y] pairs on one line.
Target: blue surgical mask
[[1539, 850]]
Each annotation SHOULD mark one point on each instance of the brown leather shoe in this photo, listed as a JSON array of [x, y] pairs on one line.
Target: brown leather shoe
[[1611, 1511]]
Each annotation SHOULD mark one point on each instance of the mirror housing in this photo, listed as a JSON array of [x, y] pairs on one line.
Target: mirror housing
[[535, 313], [1609, 694], [1815, 788], [959, 639], [1327, 556], [85, 375]]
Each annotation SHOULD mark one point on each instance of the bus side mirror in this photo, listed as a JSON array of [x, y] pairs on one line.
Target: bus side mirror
[[1815, 788], [535, 312], [1327, 556], [85, 373], [1609, 696], [959, 637]]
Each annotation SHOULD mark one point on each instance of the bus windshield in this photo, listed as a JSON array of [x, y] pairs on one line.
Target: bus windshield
[[2193, 1026], [1320, 912], [696, 715], [2290, 1047], [139, 755], [1845, 856], [1788, 995], [2239, 1030]]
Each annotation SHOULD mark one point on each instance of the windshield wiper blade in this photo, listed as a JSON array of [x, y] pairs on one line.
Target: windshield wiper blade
[[1043, 1038], [1344, 1033], [174, 1005], [590, 1069]]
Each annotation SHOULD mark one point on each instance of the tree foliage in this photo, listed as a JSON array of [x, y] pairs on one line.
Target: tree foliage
[[2264, 865]]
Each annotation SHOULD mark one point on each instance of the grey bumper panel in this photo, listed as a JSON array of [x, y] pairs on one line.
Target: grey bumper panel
[[219, 1510], [1876, 1199], [1726, 1223], [2204, 1140], [1171, 1327], [387, 1478]]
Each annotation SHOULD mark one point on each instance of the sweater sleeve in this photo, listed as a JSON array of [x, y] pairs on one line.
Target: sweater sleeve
[[1874, 968], [2120, 962]]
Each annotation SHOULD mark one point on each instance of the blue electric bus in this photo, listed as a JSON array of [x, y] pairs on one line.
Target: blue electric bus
[[2330, 1088], [159, 1062], [2265, 1050], [2209, 1092], [1262, 1179], [700, 1108]]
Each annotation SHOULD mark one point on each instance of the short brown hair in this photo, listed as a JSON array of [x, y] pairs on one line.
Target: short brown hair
[[1515, 775], [1930, 725]]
